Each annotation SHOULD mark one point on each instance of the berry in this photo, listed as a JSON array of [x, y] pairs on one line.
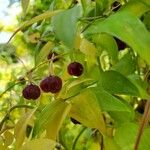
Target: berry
[[75, 69], [54, 54], [31, 91], [51, 84], [121, 44], [74, 121]]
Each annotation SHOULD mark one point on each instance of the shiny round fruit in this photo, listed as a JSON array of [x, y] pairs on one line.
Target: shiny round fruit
[[51, 84], [75, 69], [31, 91]]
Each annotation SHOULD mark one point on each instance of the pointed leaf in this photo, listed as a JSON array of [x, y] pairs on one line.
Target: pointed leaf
[[109, 102], [85, 109], [51, 118], [20, 127], [115, 83], [102, 40], [137, 7], [126, 65], [127, 28], [65, 24], [39, 144]]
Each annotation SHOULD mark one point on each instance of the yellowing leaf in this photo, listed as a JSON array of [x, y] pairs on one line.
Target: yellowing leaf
[[2, 147], [44, 52], [20, 128], [51, 118], [87, 48], [9, 137], [34, 38], [39, 144], [77, 41], [85, 109]]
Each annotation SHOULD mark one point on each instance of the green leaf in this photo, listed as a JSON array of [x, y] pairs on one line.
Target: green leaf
[[65, 25], [140, 84], [86, 110], [115, 83], [44, 52], [137, 7], [126, 65], [107, 43], [25, 4], [125, 136], [144, 143], [110, 144], [51, 118], [39, 144], [43, 16], [20, 128], [108, 102], [127, 28]]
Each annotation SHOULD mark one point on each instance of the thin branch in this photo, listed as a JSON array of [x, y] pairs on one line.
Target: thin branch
[[144, 118], [10, 110], [77, 138]]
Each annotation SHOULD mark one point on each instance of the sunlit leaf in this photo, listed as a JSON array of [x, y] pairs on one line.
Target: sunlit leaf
[[9, 137], [51, 118], [87, 48], [137, 7], [85, 109], [39, 144], [65, 25], [127, 28], [20, 128]]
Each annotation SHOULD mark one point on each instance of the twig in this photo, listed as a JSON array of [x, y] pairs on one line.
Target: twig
[[77, 138], [144, 119], [10, 110]]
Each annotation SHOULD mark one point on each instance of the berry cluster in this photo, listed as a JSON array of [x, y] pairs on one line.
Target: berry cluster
[[51, 83]]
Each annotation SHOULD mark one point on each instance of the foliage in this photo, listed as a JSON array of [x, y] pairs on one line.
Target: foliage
[[111, 39]]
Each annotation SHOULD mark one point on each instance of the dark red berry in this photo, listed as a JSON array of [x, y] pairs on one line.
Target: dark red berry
[[75, 69], [74, 121], [31, 91], [121, 44], [54, 54], [51, 84]]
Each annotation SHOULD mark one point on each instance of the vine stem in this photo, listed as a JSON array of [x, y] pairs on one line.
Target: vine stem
[[10, 110], [77, 138], [143, 124], [144, 120]]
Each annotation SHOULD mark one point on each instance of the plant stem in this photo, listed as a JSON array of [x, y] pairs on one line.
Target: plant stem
[[145, 118], [10, 110], [77, 138]]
